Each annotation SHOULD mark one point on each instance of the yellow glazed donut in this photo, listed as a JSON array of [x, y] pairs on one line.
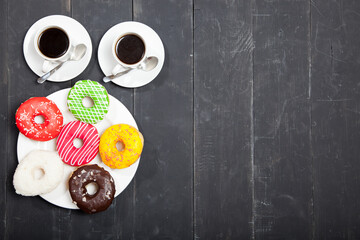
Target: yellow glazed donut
[[132, 141]]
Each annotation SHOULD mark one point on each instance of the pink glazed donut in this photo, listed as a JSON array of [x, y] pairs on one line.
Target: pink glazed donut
[[72, 155]]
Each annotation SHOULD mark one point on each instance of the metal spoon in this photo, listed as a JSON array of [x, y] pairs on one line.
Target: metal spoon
[[149, 64], [76, 55]]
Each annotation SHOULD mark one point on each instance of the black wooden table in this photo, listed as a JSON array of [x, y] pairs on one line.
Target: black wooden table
[[252, 127]]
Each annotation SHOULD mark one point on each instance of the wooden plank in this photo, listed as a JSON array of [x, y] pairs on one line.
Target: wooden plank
[[117, 222], [223, 47], [33, 214], [164, 112], [4, 114], [335, 117], [282, 156]]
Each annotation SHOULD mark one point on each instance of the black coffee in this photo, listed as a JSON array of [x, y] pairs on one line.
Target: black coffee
[[53, 42], [130, 49]]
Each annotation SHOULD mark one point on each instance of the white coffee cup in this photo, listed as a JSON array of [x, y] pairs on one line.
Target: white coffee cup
[[49, 62], [121, 65]]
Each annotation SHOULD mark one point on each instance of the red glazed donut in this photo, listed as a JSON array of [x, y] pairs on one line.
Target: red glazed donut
[[25, 119], [65, 143]]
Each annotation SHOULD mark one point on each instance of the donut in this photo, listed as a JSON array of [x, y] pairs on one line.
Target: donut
[[104, 195], [38, 173], [39, 106], [132, 141], [94, 90], [72, 155]]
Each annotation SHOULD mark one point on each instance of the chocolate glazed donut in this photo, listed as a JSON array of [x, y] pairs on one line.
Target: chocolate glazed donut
[[104, 196]]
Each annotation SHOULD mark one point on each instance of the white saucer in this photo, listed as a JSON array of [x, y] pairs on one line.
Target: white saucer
[[78, 35], [118, 113], [136, 77]]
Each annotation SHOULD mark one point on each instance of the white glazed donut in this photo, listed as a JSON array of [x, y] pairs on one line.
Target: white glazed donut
[[28, 182]]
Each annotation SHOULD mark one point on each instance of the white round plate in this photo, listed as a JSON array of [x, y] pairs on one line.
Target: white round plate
[[136, 77], [118, 113], [78, 35]]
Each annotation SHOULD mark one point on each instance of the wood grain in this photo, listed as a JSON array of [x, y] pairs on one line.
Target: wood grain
[[335, 117], [4, 113], [223, 45], [282, 159], [164, 112]]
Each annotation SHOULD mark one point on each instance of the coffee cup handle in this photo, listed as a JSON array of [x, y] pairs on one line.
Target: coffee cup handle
[[118, 68], [47, 66]]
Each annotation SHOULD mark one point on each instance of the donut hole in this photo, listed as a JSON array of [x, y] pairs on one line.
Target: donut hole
[[39, 119], [92, 188], [120, 146], [38, 173], [78, 142], [87, 102]]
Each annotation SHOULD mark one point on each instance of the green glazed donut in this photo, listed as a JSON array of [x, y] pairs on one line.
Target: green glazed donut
[[94, 90]]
